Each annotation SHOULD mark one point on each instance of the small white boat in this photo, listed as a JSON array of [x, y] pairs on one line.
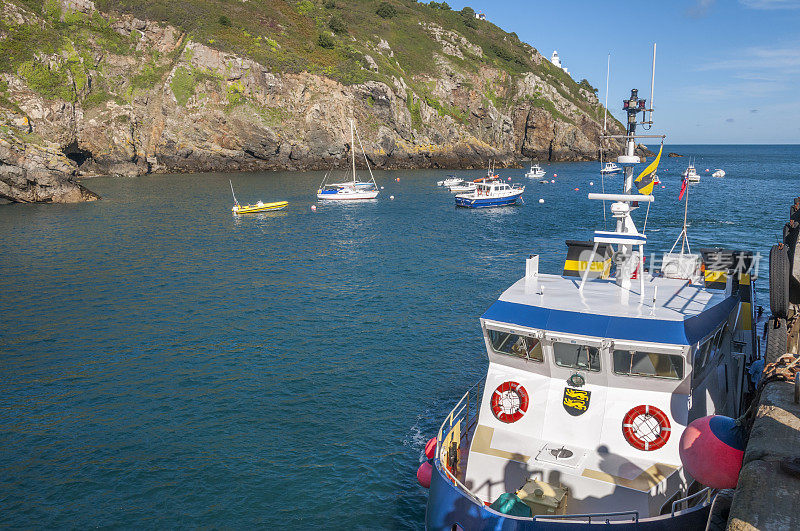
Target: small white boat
[[718, 173], [462, 187], [451, 180], [610, 168], [691, 174], [354, 190], [536, 172]]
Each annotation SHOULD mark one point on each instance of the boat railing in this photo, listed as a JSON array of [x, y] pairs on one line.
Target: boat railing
[[686, 500], [455, 429], [634, 516]]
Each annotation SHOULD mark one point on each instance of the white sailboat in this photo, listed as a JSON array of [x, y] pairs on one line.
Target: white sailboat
[[354, 190]]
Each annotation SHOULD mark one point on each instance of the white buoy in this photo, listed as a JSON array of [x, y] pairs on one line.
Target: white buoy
[[381, 187], [391, 197], [591, 183], [541, 200], [552, 180], [313, 208]]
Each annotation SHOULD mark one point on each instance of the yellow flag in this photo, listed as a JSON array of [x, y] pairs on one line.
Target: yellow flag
[[644, 182]]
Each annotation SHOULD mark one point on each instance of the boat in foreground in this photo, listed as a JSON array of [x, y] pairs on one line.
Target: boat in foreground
[[258, 207], [490, 193], [593, 376], [353, 190]]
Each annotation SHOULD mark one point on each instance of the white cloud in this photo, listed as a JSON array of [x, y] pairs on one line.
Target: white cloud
[[771, 4], [785, 60], [700, 8]]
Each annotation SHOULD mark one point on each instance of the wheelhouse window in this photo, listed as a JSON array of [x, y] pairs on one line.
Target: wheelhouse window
[[636, 363], [515, 345], [573, 356]]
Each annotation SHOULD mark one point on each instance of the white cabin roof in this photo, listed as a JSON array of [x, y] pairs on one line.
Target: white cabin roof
[[683, 313]]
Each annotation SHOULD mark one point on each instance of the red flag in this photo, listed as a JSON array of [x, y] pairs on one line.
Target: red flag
[[684, 184]]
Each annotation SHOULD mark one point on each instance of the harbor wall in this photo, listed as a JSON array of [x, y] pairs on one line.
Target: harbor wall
[[769, 482]]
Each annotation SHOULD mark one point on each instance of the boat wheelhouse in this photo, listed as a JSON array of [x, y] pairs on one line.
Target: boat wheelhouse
[[490, 193], [593, 376]]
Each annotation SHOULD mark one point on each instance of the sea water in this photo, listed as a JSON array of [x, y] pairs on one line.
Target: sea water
[[166, 364]]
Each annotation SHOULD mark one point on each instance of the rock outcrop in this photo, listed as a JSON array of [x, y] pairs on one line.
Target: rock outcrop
[[178, 105]]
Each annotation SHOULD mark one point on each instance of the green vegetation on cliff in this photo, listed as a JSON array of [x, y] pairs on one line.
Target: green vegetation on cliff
[[339, 39]]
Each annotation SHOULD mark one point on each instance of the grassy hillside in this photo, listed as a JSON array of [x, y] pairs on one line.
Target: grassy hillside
[[328, 37]]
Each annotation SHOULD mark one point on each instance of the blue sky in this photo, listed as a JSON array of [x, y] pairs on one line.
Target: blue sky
[[727, 71]]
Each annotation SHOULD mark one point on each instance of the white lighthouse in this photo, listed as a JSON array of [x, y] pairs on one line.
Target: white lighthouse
[[557, 61]]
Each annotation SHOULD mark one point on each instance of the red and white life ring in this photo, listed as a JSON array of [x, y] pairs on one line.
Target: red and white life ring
[[509, 402], [646, 428]]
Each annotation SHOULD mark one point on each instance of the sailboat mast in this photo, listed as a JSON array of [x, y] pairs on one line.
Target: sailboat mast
[[353, 150], [235, 202]]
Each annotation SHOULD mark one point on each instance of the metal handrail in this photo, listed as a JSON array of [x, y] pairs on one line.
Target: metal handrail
[[461, 407], [687, 498], [589, 516]]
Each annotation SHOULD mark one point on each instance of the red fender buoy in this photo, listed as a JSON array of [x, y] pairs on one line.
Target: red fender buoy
[[424, 473], [711, 450], [430, 448]]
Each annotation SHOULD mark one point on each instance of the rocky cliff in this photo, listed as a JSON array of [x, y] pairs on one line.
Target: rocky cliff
[[111, 93]]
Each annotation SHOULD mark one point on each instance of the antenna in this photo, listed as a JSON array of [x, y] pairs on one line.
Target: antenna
[[652, 86], [608, 74]]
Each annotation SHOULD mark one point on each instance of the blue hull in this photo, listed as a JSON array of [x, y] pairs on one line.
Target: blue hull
[[487, 202], [448, 506]]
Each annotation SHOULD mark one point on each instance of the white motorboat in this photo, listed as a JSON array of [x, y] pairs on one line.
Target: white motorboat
[[718, 173], [353, 190], [536, 172], [691, 175], [610, 168], [462, 187], [451, 180]]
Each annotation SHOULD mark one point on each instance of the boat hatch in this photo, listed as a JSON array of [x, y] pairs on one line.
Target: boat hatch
[[560, 454]]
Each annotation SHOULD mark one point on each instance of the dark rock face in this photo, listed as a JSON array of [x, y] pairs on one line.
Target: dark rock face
[[214, 111], [38, 174]]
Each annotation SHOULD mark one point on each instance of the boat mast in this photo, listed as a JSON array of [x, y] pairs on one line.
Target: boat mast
[[353, 150], [233, 194]]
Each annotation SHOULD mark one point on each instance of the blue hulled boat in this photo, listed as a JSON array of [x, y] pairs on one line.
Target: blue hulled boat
[[490, 193]]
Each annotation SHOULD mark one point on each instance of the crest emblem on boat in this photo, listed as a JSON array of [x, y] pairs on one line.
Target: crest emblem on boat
[[576, 401]]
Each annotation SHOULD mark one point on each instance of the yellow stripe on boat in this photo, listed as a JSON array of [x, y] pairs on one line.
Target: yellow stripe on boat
[[248, 209]]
